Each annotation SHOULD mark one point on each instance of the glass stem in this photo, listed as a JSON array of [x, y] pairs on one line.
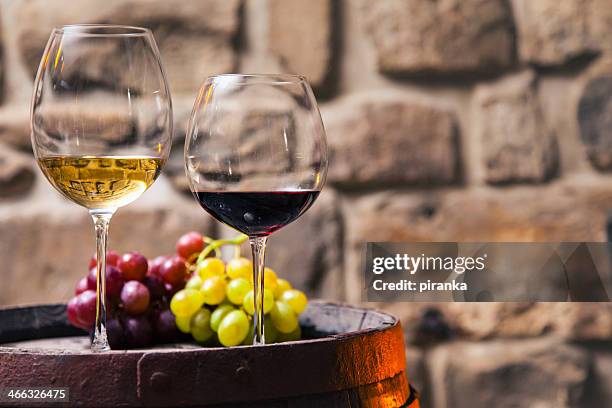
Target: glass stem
[[258, 246], [101, 221]]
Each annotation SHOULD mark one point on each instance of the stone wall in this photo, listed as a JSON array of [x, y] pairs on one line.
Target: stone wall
[[448, 120]]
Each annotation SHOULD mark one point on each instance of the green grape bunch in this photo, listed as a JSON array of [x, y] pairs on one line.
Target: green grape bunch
[[217, 303]]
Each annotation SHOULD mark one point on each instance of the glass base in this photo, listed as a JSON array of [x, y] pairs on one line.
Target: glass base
[[100, 342]]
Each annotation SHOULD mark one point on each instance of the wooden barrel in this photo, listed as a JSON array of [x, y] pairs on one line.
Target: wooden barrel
[[351, 357]]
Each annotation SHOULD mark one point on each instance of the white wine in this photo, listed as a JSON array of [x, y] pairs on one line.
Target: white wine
[[99, 182]]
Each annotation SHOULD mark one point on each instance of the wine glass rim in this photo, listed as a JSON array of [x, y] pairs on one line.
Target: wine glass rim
[[113, 30], [264, 78]]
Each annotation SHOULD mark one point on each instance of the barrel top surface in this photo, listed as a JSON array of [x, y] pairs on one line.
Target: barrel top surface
[[346, 347], [325, 321]]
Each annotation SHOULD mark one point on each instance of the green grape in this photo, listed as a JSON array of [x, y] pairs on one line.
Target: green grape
[[247, 303], [218, 315], [233, 328], [186, 302], [236, 290], [283, 317], [296, 299], [293, 336], [240, 268], [268, 301], [183, 323], [213, 290], [225, 302], [270, 332], [248, 340], [270, 279], [200, 326], [195, 282], [281, 286], [210, 267]]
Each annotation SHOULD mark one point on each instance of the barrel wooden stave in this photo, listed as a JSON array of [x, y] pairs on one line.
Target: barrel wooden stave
[[364, 367]]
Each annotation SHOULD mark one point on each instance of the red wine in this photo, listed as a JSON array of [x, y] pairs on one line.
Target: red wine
[[256, 213]]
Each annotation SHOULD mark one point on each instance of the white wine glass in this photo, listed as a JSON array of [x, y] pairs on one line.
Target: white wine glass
[[101, 120], [256, 160]]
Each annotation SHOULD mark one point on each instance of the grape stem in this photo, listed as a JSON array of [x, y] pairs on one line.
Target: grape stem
[[193, 259], [216, 244], [209, 240]]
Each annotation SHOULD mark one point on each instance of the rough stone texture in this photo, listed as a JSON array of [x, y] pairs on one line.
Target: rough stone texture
[[413, 36], [526, 214], [16, 172], [300, 35], [482, 215], [415, 370], [516, 142], [600, 24], [553, 33], [175, 166], [482, 321], [537, 373], [595, 119], [15, 126], [396, 138], [194, 37], [3, 65], [477, 215], [586, 322], [309, 251], [49, 241], [601, 383]]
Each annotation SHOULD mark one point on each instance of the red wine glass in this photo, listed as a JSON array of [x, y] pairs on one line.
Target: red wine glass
[[256, 158]]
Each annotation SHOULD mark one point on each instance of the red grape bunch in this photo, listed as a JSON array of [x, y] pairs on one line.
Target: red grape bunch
[[138, 296], [193, 293]]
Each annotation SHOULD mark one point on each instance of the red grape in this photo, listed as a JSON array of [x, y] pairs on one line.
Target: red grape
[[133, 266], [189, 244], [112, 258], [155, 285], [81, 286], [114, 331], [165, 326], [114, 281], [91, 279], [173, 270], [135, 297], [172, 289], [138, 332], [71, 310], [86, 308], [155, 264]]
